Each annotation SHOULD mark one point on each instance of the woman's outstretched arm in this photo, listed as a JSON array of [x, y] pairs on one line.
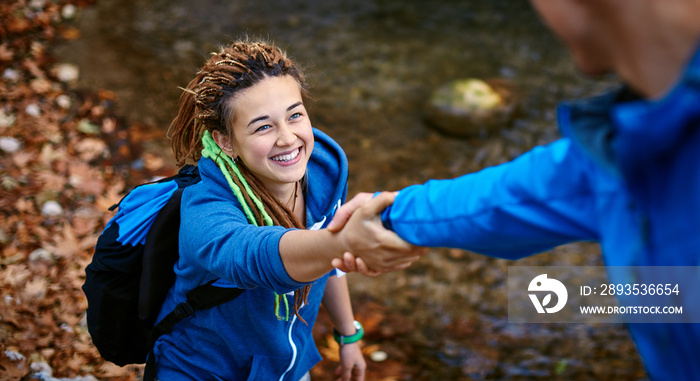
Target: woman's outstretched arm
[[307, 254]]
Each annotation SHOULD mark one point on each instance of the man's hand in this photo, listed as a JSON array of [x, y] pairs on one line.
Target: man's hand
[[342, 215], [377, 249]]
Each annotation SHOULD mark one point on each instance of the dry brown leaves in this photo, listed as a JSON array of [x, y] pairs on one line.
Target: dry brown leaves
[[63, 156]]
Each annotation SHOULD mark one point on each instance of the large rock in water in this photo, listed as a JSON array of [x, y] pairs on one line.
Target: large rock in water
[[472, 107]]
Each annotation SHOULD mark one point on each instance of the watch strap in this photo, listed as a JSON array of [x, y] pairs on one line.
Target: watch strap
[[351, 338]]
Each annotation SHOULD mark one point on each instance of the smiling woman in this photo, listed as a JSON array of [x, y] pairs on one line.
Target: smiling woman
[[272, 135], [270, 184]]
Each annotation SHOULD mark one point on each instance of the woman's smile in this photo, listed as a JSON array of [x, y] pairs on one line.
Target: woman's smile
[[287, 158]]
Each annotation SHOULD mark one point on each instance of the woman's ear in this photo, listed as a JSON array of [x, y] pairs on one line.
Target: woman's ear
[[223, 142]]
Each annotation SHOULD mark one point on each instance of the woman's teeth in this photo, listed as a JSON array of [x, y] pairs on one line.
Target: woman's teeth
[[288, 156]]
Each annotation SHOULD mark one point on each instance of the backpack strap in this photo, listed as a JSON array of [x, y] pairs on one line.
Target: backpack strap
[[200, 298], [162, 241], [207, 295], [161, 247]]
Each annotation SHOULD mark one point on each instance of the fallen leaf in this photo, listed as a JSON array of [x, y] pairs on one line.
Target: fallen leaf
[[86, 179], [331, 350], [6, 54], [53, 181], [153, 162], [35, 288], [91, 148], [16, 274], [67, 244], [112, 196], [33, 68], [22, 158], [41, 85], [87, 127], [25, 205], [51, 153], [109, 125], [70, 33], [110, 370], [13, 365], [19, 24]]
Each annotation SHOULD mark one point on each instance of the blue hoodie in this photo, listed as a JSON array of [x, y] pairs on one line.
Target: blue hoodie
[[625, 174], [243, 339]]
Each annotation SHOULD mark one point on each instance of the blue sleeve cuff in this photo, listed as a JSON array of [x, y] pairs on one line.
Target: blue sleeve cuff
[[282, 282], [386, 219]]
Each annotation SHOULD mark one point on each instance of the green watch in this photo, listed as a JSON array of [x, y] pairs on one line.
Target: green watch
[[352, 338]]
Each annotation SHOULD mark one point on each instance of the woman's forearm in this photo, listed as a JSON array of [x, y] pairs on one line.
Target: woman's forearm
[[307, 254], [336, 300]]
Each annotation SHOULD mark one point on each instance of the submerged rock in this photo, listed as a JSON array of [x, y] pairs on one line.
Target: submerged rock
[[472, 107]]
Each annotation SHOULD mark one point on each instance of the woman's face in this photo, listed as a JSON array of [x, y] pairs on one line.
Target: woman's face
[[272, 132]]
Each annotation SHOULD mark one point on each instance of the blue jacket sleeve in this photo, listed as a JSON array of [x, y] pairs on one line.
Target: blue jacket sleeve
[[540, 200], [216, 236]]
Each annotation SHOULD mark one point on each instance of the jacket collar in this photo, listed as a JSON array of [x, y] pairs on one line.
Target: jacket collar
[[328, 170], [625, 132]]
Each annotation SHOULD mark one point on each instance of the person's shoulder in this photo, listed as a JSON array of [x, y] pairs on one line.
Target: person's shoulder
[[212, 192]]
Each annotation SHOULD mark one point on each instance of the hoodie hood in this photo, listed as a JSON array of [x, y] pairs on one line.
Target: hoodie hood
[[328, 170]]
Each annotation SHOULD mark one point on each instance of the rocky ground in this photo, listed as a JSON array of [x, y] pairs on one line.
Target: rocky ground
[[64, 159]]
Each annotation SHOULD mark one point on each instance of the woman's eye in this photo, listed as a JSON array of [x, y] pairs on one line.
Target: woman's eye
[[263, 128], [295, 115]]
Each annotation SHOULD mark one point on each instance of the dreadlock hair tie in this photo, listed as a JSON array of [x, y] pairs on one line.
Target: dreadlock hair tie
[[212, 151]]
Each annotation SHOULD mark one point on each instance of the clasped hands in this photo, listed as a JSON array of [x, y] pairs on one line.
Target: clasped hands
[[376, 250]]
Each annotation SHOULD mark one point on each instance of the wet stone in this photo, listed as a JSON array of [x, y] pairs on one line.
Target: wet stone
[[9, 144], [51, 208], [66, 72], [472, 107]]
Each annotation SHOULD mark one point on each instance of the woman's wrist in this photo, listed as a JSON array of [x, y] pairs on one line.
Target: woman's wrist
[[346, 329], [357, 332]]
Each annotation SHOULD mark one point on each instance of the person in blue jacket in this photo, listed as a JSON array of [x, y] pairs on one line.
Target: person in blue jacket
[[626, 172], [270, 183]]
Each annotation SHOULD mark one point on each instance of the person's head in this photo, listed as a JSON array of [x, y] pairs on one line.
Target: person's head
[[249, 96], [646, 42], [579, 23], [209, 103]]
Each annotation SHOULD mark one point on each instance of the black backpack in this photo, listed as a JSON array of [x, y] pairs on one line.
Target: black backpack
[[132, 270]]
